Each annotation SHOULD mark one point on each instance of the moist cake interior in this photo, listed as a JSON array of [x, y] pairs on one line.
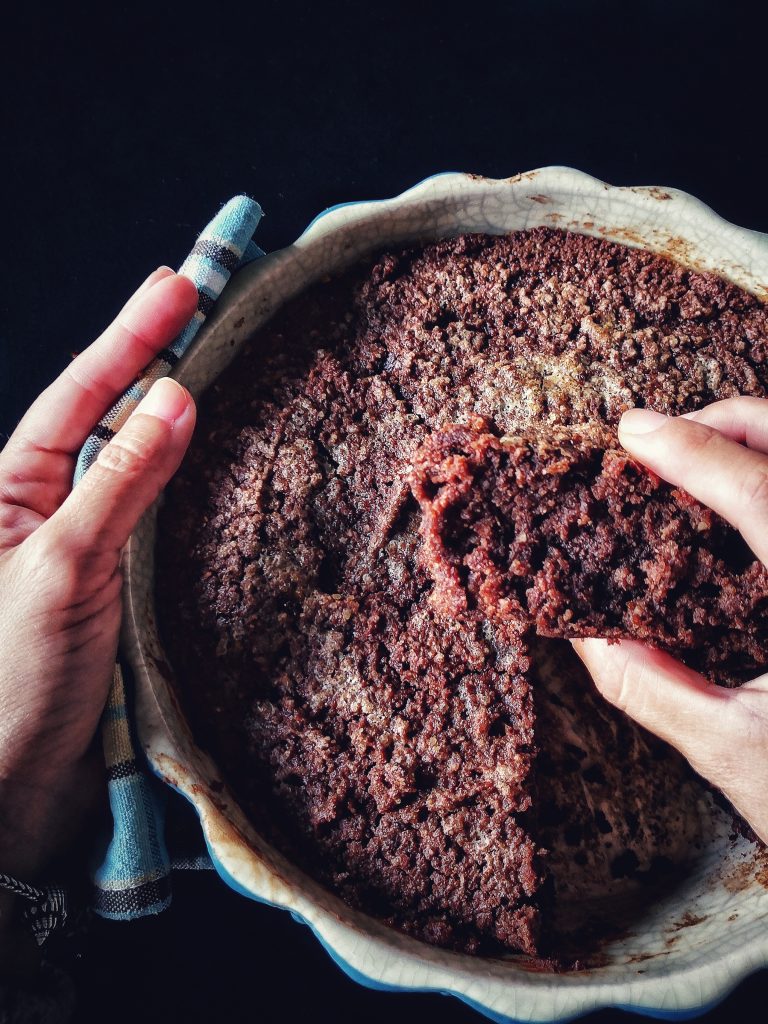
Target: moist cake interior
[[563, 533], [444, 774]]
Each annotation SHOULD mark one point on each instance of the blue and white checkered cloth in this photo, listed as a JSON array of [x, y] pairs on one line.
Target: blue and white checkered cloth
[[134, 878]]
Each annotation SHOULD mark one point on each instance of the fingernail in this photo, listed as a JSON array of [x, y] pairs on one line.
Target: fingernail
[[166, 399], [165, 271], [147, 285], [642, 421]]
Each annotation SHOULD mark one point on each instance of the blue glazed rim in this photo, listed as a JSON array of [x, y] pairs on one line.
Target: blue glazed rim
[[378, 986], [353, 973]]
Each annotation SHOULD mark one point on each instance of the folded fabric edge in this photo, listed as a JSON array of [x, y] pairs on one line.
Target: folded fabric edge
[[134, 879]]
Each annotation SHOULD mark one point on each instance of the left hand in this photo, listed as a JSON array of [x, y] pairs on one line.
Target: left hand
[[60, 567]]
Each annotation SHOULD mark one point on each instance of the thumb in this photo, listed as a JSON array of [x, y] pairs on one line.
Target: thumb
[[667, 698], [723, 733], [129, 473]]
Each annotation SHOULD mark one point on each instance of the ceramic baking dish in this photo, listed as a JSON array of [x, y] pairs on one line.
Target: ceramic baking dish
[[693, 945]]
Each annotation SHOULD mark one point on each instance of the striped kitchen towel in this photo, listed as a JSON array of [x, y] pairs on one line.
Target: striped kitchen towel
[[134, 878]]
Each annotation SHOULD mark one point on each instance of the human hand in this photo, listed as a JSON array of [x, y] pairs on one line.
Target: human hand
[[720, 456], [59, 566]]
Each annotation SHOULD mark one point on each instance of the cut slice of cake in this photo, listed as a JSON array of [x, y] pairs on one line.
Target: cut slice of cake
[[562, 531]]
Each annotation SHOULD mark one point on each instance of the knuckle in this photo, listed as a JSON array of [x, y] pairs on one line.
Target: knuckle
[[624, 688], [692, 447], [704, 440], [753, 491], [126, 455], [611, 676], [78, 372], [635, 688], [56, 567], [66, 572]]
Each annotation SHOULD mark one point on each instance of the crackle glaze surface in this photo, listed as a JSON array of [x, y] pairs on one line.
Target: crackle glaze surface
[[693, 945]]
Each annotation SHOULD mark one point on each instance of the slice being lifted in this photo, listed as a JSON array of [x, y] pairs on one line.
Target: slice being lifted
[[565, 533]]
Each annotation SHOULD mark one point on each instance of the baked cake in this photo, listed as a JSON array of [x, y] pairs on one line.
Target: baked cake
[[564, 533], [445, 773]]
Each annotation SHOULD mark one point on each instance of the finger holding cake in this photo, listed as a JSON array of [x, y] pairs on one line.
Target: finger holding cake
[[724, 474]]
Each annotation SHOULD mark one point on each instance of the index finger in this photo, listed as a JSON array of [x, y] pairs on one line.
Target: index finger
[[720, 472], [743, 419]]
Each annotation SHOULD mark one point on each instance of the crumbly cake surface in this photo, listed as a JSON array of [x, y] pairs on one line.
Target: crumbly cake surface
[[562, 533], [389, 749]]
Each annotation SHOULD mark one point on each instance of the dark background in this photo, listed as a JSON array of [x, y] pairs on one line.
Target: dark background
[[124, 132]]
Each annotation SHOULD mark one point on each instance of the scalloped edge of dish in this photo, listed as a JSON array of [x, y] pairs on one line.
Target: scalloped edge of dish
[[227, 837]]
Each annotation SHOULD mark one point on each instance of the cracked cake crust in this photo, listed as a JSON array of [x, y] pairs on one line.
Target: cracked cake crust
[[389, 750]]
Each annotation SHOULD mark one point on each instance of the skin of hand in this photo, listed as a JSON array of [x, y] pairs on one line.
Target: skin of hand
[[60, 574], [720, 456]]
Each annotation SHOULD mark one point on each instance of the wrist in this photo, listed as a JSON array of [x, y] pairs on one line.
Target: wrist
[[26, 829], [22, 842], [19, 955], [41, 820]]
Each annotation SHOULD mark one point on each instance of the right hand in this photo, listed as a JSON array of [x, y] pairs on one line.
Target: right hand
[[720, 456]]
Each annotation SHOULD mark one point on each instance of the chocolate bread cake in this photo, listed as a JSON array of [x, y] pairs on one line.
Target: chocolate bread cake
[[447, 773], [562, 532]]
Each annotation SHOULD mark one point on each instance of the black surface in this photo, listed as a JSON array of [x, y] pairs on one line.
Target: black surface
[[124, 132]]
